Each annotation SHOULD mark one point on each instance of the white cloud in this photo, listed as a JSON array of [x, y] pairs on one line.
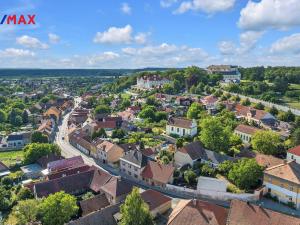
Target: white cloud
[[278, 14], [141, 38], [248, 41], [125, 8], [15, 52], [31, 42], [103, 57], [115, 35], [227, 48], [289, 44], [207, 6], [167, 3], [53, 38]]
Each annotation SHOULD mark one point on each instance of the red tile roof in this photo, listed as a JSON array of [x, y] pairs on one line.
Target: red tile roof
[[65, 163], [180, 122], [158, 172], [243, 213], [197, 212], [44, 160], [117, 187], [93, 204], [295, 150], [68, 172], [154, 199]]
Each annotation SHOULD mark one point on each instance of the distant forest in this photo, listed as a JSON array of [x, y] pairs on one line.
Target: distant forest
[[11, 73]]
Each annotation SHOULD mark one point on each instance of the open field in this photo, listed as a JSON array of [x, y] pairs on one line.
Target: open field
[[11, 157]]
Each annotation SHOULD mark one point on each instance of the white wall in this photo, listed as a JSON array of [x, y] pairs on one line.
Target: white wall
[[291, 157]]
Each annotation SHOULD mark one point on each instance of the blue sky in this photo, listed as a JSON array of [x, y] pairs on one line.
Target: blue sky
[[153, 33]]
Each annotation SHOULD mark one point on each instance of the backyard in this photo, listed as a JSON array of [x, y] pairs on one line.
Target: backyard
[[11, 157]]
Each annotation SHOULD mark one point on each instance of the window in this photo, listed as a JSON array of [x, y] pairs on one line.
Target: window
[[135, 169], [177, 130], [292, 157], [129, 173], [172, 128], [129, 166], [183, 131], [135, 176], [291, 188]]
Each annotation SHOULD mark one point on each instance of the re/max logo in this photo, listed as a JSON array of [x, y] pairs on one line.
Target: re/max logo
[[18, 20]]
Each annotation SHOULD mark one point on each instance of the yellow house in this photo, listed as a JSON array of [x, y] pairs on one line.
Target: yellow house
[[53, 112], [283, 181], [109, 153]]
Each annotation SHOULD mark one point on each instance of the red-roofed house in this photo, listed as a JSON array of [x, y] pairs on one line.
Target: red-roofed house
[[294, 154], [245, 132], [157, 174]]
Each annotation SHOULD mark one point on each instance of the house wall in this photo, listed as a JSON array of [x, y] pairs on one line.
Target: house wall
[[291, 157], [181, 131], [284, 190], [246, 138], [130, 169], [161, 209]]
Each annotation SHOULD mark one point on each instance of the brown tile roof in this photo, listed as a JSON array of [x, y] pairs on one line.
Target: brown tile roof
[[68, 172], [209, 99], [246, 129], [158, 172], [180, 122], [65, 163], [243, 213], [101, 217], [44, 160], [289, 171], [194, 150], [106, 146], [154, 199], [148, 152], [117, 187], [197, 212], [89, 180], [295, 150], [93, 204], [267, 160]]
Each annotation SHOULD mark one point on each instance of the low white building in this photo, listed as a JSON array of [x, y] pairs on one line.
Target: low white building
[[230, 73], [245, 132], [181, 127], [151, 81], [211, 184], [294, 154]]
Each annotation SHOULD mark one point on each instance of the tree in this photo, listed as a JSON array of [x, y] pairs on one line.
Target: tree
[[266, 142], [135, 211], [118, 133], [213, 134], [25, 212], [259, 106], [5, 199], [273, 110], [148, 113], [190, 176], [296, 137], [207, 171], [24, 193], [179, 142], [100, 133], [34, 151], [287, 116], [246, 102], [102, 109], [38, 137], [194, 110], [245, 174], [225, 167], [25, 117], [58, 208], [3, 116]]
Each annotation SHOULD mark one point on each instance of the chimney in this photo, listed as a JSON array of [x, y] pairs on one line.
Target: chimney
[[194, 202]]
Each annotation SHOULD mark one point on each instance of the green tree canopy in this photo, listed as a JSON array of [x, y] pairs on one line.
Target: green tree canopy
[[213, 134], [102, 109], [190, 176], [245, 174], [135, 211], [194, 110], [34, 151], [266, 142], [38, 137], [58, 208]]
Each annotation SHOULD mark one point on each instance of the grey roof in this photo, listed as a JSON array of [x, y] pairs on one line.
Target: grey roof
[[194, 150], [135, 157], [3, 167], [215, 157]]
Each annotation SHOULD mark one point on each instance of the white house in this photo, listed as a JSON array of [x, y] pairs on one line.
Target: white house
[[151, 81], [181, 126], [210, 102], [245, 132], [294, 154]]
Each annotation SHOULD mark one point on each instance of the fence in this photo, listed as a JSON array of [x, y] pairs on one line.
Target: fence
[[267, 104], [215, 195]]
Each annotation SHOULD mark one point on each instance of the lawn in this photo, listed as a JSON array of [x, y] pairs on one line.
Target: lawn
[[11, 157]]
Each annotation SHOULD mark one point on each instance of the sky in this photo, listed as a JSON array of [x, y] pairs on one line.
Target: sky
[[150, 33]]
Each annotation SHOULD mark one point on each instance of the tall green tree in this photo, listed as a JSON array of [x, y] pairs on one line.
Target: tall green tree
[[3, 116], [245, 174], [58, 209], [213, 134], [34, 151], [266, 142], [194, 111], [135, 211], [38, 137]]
